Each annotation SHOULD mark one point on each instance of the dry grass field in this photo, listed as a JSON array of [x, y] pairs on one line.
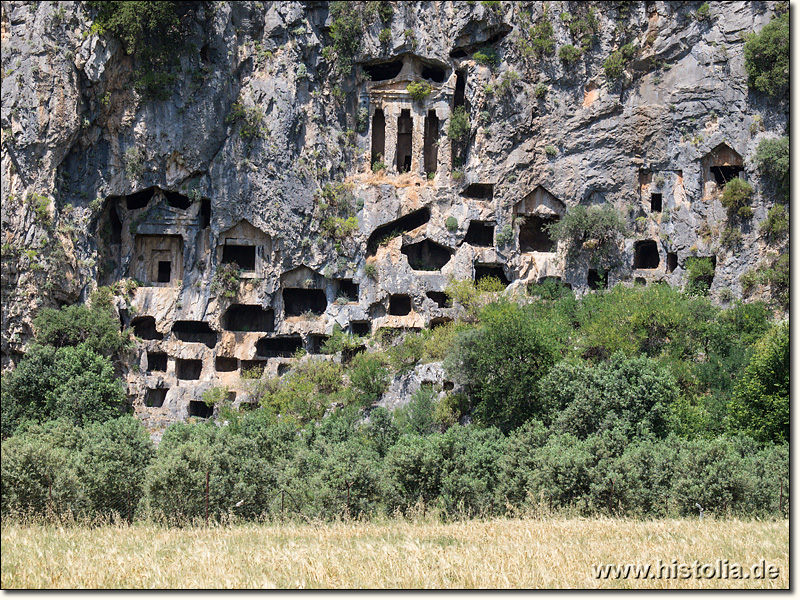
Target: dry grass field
[[512, 553]]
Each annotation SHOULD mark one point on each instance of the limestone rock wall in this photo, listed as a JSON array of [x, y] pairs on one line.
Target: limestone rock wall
[[100, 186]]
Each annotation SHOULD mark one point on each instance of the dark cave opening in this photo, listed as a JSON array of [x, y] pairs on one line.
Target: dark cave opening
[[156, 361], [188, 368], [198, 408], [139, 200], [316, 341], [116, 225], [243, 256], [655, 202], [205, 213], [348, 289], [427, 255], [672, 261], [430, 148], [383, 71], [360, 328], [278, 347], [248, 317], [399, 305], [646, 255], [597, 280], [441, 299], [154, 398], [164, 273], [479, 191], [405, 132], [534, 236], [724, 174], [177, 200], [483, 270], [397, 227], [459, 97], [480, 233], [196, 332], [226, 364], [433, 73], [378, 136], [297, 301], [145, 328]]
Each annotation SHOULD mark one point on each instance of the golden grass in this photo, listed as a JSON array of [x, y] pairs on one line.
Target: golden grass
[[501, 553]]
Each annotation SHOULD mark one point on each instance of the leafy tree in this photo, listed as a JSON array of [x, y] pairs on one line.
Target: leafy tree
[[736, 196], [647, 320], [761, 401], [417, 417], [487, 56], [776, 226], [766, 58], [569, 54], [346, 31], [633, 394], [94, 327], [38, 471], [596, 229], [615, 64], [501, 361], [382, 430], [71, 382], [542, 39], [699, 275], [175, 479], [369, 377], [419, 90], [112, 465]]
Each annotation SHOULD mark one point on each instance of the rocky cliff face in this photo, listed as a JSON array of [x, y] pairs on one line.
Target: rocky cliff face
[[340, 197]]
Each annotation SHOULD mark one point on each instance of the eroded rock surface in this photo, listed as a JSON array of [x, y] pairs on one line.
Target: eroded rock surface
[[100, 186]]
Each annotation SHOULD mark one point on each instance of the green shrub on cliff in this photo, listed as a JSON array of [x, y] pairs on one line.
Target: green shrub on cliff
[[150, 31], [766, 58]]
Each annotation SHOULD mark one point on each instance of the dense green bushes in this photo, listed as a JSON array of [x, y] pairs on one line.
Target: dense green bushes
[[636, 401], [257, 467], [761, 406], [501, 362], [766, 58], [59, 469], [67, 372], [735, 198]]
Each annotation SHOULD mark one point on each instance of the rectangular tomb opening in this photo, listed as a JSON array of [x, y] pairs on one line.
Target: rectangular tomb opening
[[188, 368], [279, 347], [195, 331], [154, 398], [378, 136], [399, 304], [158, 259], [534, 235], [156, 361], [299, 301], [243, 256], [248, 317], [646, 255], [405, 130], [430, 148], [226, 364], [198, 408]]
